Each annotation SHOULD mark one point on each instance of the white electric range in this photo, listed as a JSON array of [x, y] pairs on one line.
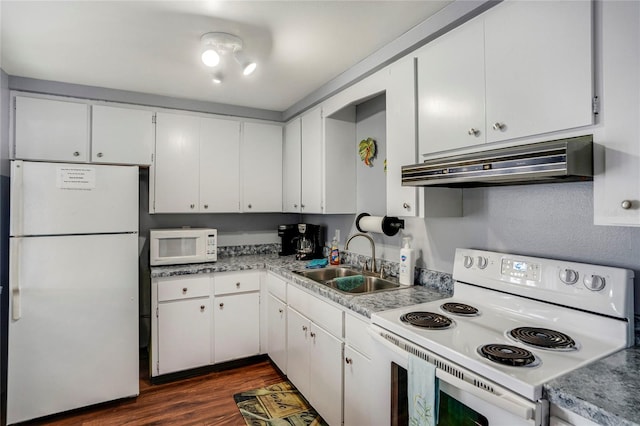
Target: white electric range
[[513, 323]]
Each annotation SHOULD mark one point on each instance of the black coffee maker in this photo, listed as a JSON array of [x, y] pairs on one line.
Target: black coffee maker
[[302, 239]]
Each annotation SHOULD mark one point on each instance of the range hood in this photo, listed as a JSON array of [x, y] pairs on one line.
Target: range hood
[[562, 160]]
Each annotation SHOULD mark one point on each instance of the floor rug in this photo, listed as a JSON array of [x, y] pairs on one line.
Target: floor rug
[[277, 405]]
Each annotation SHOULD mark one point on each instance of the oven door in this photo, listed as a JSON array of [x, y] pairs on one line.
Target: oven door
[[465, 398]]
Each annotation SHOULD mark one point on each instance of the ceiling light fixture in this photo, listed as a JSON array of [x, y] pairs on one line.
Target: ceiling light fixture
[[217, 45]]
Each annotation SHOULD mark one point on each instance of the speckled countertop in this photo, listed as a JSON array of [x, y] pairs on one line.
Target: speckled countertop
[[434, 288], [606, 392]]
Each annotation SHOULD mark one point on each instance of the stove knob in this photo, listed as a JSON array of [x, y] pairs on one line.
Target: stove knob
[[482, 262], [594, 282], [468, 262], [568, 276]]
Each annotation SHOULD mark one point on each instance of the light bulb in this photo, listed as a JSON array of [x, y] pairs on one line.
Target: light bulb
[[249, 68], [210, 58]]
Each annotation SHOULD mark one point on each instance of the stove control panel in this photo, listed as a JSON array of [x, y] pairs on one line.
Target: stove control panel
[[520, 269]]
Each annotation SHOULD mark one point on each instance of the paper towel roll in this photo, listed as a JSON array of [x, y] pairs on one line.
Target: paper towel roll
[[383, 225]]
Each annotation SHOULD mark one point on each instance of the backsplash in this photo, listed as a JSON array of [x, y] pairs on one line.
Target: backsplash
[[248, 249]]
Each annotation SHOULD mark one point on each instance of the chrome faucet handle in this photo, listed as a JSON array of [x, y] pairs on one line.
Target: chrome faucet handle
[[383, 272]]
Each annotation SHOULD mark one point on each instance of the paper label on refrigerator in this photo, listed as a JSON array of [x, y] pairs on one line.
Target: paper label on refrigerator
[[81, 178]]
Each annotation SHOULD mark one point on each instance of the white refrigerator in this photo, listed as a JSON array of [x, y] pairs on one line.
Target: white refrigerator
[[73, 296]]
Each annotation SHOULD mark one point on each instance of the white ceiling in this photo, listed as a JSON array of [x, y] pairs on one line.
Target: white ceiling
[[153, 46]]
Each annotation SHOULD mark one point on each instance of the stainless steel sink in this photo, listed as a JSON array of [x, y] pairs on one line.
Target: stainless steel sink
[[327, 276]]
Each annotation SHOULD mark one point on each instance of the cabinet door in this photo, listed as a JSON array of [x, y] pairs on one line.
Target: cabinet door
[[298, 351], [51, 130], [325, 374], [538, 67], [620, 180], [182, 325], [357, 376], [277, 332], [236, 326], [219, 165], [401, 137], [451, 90], [121, 135], [176, 166], [292, 168], [262, 168], [312, 161]]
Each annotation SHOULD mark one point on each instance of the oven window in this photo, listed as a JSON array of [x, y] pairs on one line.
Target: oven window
[[177, 247], [451, 412]]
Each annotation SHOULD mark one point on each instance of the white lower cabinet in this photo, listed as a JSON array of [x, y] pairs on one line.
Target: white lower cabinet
[[236, 318], [315, 365], [277, 332], [204, 319], [182, 320], [358, 373]]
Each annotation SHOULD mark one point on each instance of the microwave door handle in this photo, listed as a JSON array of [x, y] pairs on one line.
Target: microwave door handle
[[511, 403]]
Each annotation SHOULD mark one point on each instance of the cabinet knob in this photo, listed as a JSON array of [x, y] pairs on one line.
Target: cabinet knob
[[313, 334], [184, 290], [249, 206], [193, 206], [474, 132], [406, 206], [304, 328], [499, 126], [201, 308], [221, 305], [348, 360], [76, 154], [280, 310], [238, 284], [206, 206], [626, 204], [295, 206], [302, 206], [100, 155]]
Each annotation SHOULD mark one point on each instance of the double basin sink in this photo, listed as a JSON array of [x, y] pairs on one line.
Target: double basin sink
[[361, 282]]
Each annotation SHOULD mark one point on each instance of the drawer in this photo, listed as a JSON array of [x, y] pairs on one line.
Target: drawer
[[356, 333], [184, 288], [277, 286], [236, 282]]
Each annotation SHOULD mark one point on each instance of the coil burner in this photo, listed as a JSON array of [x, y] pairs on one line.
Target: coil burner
[[543, 338], [508, 355], [428, 320], [460, 309]]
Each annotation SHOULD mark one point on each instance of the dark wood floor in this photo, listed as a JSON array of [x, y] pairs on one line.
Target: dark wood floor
[[202, 400]]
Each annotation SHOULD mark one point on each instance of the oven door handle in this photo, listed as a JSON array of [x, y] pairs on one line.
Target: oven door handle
[[512, 403]]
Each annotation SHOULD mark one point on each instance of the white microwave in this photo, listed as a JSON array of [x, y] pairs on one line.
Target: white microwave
[[182, 245]]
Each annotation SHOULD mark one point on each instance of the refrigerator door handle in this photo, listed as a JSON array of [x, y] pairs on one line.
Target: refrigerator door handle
[[17, 174], [14, 278]]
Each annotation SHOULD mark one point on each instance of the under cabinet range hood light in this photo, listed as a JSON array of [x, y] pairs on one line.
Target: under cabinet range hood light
[[562, 160]]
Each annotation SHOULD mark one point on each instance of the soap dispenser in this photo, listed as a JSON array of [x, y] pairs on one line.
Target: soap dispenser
[[334, 256], [407, 262]]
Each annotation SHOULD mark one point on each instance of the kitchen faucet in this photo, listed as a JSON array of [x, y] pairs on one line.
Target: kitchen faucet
[[373, 249]]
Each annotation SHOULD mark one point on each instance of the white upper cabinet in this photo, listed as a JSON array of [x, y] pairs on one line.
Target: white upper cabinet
[[51, 130], [219, 165], [451, 90], [176, 175], [538, 67], [262, 167], [616, 183], [121, 135], [312, 159], [292, 167], [520, 69]]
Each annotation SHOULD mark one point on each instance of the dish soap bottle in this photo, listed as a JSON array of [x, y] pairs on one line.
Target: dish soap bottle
[[407, 262], [334, 255]]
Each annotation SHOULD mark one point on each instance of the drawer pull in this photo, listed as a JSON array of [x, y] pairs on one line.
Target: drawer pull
[[184, 290], [238, 284], [201, 308], [348, 360], [304, 328], [313, 334], [221, 305], [280, 310]]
